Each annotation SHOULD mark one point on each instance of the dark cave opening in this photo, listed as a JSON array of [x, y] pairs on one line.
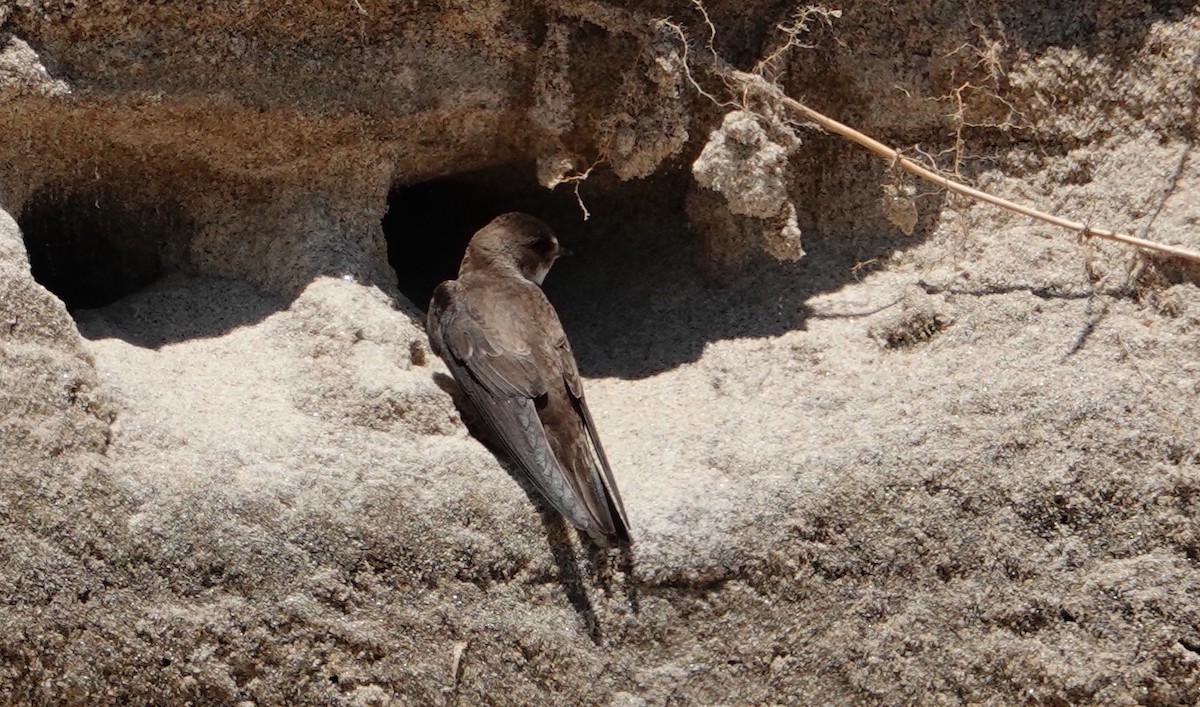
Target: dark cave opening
[[91, 247], [632, 299], [428, 224]]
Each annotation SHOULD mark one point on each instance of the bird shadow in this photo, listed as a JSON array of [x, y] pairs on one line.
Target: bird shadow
[[621, 561], [602, 564], [569, 575]]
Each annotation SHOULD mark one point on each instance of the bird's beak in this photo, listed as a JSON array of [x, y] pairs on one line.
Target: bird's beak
[[563, 252]]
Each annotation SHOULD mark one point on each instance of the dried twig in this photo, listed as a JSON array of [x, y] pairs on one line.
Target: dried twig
[[801, 24], [575, 180], [758, 83], [677, 29]]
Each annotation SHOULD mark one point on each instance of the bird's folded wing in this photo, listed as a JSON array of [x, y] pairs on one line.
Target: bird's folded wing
[[502, 381], [503, 367], [620, 521], [516, 427]]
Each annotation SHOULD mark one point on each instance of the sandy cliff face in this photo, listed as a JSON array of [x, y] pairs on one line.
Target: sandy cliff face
[[955, 465]]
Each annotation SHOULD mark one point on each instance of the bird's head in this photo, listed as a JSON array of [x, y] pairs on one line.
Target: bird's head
[[514, 243]]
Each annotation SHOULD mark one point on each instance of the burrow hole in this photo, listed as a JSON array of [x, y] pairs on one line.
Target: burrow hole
[[428, 224], [93, 246]]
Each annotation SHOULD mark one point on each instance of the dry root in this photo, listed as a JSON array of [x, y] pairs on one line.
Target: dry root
[[754, 88]]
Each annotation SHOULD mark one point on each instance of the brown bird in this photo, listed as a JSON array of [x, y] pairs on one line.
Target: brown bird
[[506, 348]]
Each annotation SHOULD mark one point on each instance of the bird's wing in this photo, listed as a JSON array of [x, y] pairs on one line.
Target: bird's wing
[[606, 483], [504, 367], [501, 378]]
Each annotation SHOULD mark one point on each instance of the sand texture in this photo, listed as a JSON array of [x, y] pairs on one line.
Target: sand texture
[[866, 460]]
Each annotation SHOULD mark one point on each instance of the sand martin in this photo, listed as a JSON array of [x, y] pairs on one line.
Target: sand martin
[[506, 348]]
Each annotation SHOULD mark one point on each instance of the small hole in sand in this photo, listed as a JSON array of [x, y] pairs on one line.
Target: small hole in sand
[[92, 247], [428, 224]]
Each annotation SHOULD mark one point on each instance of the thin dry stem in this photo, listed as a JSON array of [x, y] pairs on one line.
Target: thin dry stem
[[800, 24], [677, 30], [712, 30], [755, 82], [575, 180]]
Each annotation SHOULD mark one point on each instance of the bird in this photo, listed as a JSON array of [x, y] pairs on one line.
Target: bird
[[505, 347]]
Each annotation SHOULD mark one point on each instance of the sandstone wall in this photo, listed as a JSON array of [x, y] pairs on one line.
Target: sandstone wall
[[958, 465]]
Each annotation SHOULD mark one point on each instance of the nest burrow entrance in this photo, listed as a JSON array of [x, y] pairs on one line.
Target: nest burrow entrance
[[93, 246], [428, 224]]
